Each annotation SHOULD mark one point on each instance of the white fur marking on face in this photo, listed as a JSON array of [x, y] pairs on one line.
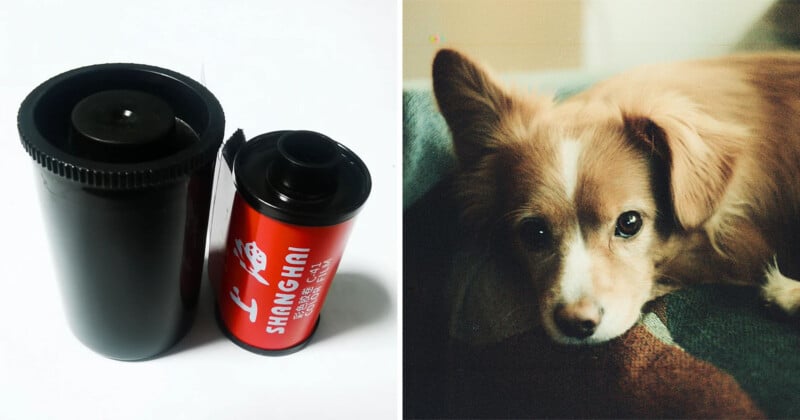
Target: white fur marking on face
[[570, 152], [576, 276], [781, 290]]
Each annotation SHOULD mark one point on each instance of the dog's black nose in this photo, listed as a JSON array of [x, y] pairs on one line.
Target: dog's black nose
[[578, 320]]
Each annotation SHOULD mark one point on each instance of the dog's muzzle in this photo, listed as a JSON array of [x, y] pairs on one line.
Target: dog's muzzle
[[579, 319]]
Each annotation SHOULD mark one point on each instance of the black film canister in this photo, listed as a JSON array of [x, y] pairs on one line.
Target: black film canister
[[125, 157]]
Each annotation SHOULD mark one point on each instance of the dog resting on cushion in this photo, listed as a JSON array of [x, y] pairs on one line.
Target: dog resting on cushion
[[663, 176]]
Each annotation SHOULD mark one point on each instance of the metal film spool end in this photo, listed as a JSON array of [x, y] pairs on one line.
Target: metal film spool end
[[306, 166]]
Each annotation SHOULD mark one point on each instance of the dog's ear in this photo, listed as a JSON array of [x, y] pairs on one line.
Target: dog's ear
[[699, 151], [471, 103]]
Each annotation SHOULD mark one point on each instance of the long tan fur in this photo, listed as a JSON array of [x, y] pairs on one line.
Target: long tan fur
[[707, 152]]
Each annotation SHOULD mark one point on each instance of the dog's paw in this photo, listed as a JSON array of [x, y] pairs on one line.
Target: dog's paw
[[781, 291]]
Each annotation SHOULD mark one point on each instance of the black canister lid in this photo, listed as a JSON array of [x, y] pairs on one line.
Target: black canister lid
[[302, 178], [121, 126]]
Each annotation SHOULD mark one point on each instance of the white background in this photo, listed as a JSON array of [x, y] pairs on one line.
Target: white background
[[618, 34], [328, 66]]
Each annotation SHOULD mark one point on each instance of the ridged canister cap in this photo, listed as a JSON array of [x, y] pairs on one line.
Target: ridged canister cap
[[121, 126], [301, 177]]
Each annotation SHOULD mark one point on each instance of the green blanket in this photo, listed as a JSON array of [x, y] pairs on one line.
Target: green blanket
[[709, 351]]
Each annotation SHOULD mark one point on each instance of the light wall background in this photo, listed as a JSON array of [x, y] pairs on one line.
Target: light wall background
[[523, 36]]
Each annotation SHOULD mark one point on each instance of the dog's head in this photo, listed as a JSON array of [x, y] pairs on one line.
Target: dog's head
[[581, 194]]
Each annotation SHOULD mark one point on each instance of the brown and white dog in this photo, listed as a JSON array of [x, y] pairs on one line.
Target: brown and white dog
[[663, 176]]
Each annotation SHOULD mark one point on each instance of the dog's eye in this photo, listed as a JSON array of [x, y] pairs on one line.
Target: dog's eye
[[535, 234], [628, 224]]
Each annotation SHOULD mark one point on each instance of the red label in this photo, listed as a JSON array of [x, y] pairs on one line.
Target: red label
[[276, 277]]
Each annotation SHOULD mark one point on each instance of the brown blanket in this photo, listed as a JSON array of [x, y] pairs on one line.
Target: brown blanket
[[709, 351]]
